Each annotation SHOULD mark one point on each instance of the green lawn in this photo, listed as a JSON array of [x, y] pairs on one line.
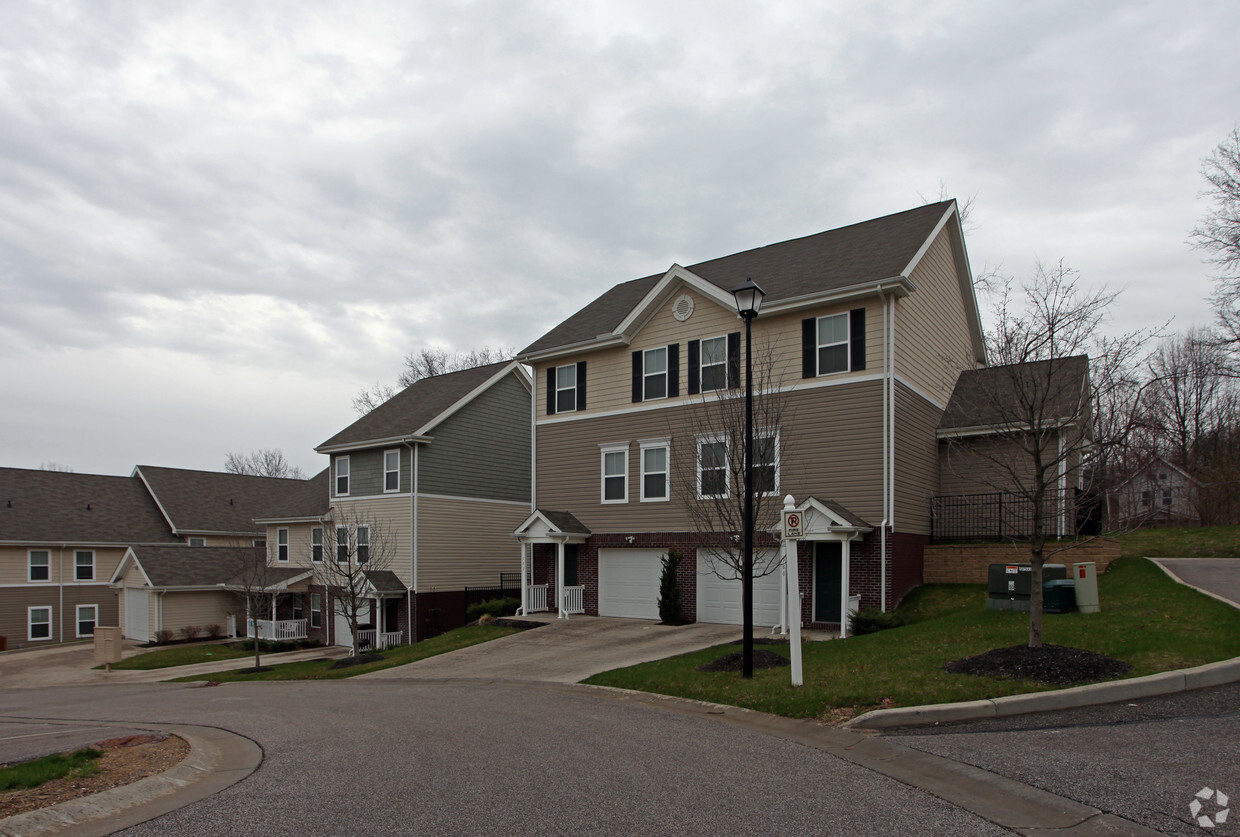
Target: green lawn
[[182, 655], [1196, 542], [321, 669], [31, 774], [1146, 619]]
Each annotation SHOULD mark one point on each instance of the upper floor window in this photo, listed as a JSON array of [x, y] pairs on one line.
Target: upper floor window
[[615, 473], [391, 470], [363, 544], [654, 470], [566, 388], [832, 344], [712, 468], [342, 544], [714, 364], [316, 544], [765, 463], [84, 565], [342, 476], [40, 565], [656, 373], [282, 545], [197, 541]]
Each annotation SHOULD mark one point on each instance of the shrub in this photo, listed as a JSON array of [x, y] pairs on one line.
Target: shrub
[[163, 637], [506, 606], [670, 612], [870, 620], [214, 631], [191, 632]]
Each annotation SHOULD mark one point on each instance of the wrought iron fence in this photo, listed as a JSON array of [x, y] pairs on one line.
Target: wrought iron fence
[[999, 516]]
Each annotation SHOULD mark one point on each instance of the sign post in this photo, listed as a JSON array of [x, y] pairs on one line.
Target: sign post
[[794, 530]]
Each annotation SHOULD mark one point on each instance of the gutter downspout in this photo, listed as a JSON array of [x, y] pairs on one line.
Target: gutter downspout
[[413, 569], [534, 442], [413, 537], [887, 455]]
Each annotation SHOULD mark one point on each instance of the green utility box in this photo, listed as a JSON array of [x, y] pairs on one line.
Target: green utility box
[[1059, 596], [1008, 585]]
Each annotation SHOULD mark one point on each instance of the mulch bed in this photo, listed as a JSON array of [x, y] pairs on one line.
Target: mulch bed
[[735, 661], [1053, 664]]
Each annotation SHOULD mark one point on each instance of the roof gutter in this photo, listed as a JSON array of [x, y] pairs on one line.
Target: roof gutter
[[372, 443]]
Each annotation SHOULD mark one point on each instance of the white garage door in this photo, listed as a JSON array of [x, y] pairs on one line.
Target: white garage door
[[628, 582], [719, 599], [137, 614]]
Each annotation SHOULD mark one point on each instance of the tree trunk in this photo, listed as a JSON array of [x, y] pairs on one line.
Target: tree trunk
[[1035, 591]]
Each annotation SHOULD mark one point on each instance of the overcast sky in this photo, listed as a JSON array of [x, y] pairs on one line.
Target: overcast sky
[[219, 221]]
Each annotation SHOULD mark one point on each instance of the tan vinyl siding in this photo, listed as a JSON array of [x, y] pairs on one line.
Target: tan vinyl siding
[[482, 450], [200, 608], [932, 331], [390, 542], [463, 543], [14, 562], [830, 447], [916, 465], [299, 542], [982, 465]]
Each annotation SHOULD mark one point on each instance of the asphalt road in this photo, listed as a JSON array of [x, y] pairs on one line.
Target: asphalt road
[[1221, 576], [1143, 760]]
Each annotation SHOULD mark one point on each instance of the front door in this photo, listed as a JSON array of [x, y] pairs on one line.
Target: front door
[[828, 557]]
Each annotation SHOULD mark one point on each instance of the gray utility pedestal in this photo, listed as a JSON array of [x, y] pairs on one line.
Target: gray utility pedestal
[[1008, 584]]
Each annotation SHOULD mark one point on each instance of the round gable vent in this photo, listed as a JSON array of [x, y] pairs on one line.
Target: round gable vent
[[683, 309]]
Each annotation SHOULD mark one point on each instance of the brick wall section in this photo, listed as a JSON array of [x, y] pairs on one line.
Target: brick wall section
[[969, 563]]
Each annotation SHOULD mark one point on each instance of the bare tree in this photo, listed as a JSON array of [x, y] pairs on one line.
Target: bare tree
[[265, 462], [55, 466], [252, 581], [427, 363], [1059, 396], [356, 550], [1187, 385], [1219, 232]]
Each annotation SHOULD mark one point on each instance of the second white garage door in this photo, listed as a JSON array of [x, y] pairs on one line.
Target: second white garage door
[[719, 599], [628, 582]]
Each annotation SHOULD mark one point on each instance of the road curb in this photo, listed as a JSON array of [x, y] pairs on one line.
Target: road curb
[[217, 758]]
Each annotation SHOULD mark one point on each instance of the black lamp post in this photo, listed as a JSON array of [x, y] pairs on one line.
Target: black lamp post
[[748, 303]]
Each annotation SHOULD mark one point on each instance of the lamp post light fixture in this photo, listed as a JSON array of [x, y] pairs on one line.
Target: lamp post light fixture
[[748, 302]]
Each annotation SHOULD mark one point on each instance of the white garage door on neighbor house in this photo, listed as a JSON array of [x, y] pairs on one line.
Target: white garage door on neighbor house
[[628, 582], [719, 598]]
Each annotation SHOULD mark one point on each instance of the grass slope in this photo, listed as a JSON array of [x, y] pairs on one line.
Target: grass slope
[[1197, 542], [1146, 619], [181, 656]]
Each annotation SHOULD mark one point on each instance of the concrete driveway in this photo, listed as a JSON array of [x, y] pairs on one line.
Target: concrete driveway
[[1218, 577], [565, 651]]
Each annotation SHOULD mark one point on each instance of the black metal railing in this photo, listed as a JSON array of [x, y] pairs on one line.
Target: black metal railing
[[1000, 516]]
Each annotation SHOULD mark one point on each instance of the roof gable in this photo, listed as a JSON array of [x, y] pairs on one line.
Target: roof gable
[[214, 502]]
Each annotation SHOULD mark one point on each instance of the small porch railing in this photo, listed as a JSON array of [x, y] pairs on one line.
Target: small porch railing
[[378, 640], [574, 600], [536, 596], [278, 629]]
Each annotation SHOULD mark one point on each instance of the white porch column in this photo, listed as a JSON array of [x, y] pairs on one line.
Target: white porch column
[[273, 608], [525, 583], [844, 550], [559, 579]]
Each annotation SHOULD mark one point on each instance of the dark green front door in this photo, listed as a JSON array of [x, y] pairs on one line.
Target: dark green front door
[[570, 565], [828, 556]]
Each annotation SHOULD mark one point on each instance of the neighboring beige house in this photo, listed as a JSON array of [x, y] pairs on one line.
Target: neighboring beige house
[[864, 329]]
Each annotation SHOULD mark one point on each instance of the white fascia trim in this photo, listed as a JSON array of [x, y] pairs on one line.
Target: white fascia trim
[[925, 245], [675, 273], [603, 341], [895, 285], [916, 390], [477, 391], [137, 471], [270, 521], [372, 443], [352, 497], [129, 558], [82, 544], [1003, 430], [523, 503]]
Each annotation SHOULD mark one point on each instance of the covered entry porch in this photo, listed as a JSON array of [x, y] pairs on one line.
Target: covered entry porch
[[562, 530], [823, 556]]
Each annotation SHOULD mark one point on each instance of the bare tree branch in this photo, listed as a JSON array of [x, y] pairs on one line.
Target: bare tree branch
[[265, 462]]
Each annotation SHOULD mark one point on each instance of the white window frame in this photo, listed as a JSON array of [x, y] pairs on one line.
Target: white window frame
[[702, 365], [46, 553], [346, 476], [666, 447], [94, 620], [77, 567], [342, 545], [559, 389], [604, 450], [727, 470], [646, 376], [316, 545], [846, 343], [197, 541], [316, 610], [30, 623], [362, 544], [763, 434], [282, 545], [389, 471]]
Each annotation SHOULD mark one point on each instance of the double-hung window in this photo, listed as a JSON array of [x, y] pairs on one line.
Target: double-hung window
[[566, 388], [40, 565], [38, 623], [712, 468], [615, 462], [282, 545], [87, 617], [391, 471], [714, 364], [654, 373], [342, 476], [316, 544], [316, 610], [654, 470], [84, 565], [363, 544], [342, 544], [833, 344], [765, 462]]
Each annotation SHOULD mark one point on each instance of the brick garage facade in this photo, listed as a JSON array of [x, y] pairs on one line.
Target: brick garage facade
[[970, 563]]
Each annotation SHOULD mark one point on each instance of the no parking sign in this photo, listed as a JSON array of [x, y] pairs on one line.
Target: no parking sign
[[794, 525]]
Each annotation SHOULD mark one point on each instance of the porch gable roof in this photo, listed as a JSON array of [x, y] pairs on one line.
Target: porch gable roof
[[551, 524], [827, 516]]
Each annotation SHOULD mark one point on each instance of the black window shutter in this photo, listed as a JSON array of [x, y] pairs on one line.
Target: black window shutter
[[551, 391], [673, 370], [695, 367], [637, 376], [809, 347], [734, 360], [581, 385], [856, 337]]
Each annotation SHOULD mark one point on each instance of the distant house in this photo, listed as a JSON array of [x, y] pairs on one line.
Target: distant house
[[1158, 493]]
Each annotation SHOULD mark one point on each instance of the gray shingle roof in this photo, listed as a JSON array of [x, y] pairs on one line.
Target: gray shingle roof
[[414, 407], [998, 396], [46, 506], [385, 581], [310, 499], [213, 501], [565, 522], [194, 566], [841, 258]]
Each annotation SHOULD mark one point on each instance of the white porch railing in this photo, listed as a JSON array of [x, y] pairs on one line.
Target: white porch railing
[[574, 600], [378, 640], [536, 595], [279, 629]]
